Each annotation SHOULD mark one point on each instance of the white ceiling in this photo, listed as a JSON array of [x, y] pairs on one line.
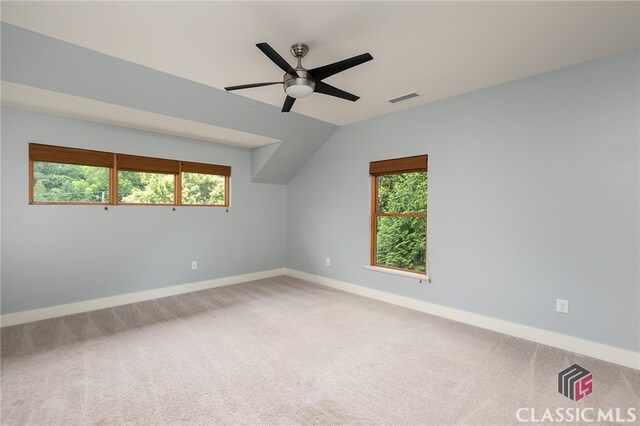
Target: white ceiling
[[439, 49]]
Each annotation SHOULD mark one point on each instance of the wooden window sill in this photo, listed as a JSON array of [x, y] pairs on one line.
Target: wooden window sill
[[414, 275]]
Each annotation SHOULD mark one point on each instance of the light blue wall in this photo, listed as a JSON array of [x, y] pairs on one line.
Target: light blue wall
[[61, 254], [533, 196], [534, 193]]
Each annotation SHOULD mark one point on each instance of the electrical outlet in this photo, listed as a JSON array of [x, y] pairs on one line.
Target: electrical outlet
[[194, 264], [327, 262], [562, 306]]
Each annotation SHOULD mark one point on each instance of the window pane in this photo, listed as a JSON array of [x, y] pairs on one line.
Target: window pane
[[402, 193], [55, 182], [198, 188], [401, 242], [146, 188]]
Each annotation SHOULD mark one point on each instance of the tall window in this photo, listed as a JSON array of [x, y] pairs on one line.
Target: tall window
[[399, 214], [60, 175]]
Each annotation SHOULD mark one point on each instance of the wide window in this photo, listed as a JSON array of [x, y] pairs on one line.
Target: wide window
[[60, 175], [399, 214]]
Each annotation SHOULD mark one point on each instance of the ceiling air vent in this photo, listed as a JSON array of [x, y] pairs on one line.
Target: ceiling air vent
[[403, 98]]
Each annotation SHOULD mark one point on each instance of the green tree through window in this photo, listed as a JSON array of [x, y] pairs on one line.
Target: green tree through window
[[198, 188], [80, 176], [54, 182], [146, 188]]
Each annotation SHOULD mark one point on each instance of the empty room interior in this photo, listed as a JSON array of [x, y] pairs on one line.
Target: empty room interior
[[320, 213]]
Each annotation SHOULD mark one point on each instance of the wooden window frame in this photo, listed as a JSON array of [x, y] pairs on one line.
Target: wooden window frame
[[123, 162], [417, 163]]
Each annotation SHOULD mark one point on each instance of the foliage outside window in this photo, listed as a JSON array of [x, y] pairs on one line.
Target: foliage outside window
[[60, 175], [202, 189], [146, 188], [70, 183], [399, 214]]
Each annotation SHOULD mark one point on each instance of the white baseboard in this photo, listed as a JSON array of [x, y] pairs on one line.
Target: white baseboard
[[590, 348], [124, 299]]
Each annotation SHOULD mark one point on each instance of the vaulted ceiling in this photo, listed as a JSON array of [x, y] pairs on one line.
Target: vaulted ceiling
[[438, 49]]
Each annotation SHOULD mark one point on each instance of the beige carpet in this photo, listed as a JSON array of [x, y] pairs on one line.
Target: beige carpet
[[282, 351]]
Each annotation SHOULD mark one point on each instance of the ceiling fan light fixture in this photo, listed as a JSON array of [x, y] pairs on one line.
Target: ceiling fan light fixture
[[299, 90], [299, 86]]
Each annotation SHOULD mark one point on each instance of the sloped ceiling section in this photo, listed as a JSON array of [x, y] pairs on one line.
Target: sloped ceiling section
[[39, 61], [436, 48]]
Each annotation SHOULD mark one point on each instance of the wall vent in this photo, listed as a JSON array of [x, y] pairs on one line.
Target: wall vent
[[403, 97]]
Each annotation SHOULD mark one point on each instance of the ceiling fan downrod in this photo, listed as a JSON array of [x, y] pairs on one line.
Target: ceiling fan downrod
[[299, 50], [302, 84]]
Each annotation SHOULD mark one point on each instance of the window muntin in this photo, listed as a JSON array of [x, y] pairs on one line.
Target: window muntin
[[70, 183], [60, 175], [399, 214]]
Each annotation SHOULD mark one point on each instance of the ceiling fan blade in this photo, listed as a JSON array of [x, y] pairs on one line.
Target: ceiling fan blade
[[249, 86], [327, 89], [331, 69], [288, 103], [276, 58]]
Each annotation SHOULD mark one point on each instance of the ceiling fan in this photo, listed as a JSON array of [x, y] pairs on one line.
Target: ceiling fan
[[300, 82]]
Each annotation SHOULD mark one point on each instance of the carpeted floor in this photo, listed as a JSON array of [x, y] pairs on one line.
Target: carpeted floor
[[283, 351]]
